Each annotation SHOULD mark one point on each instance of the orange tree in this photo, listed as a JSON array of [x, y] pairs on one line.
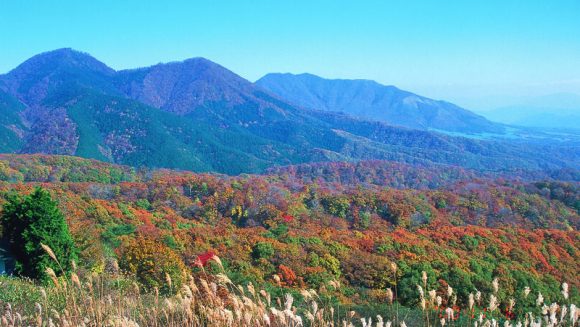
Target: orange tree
[[152, 262]]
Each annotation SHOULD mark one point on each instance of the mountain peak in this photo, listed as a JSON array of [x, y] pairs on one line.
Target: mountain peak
[[32, 79], [200, 60], [63, 52], [181, 86], [60, 59]]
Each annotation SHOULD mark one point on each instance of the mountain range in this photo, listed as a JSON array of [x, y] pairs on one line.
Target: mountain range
[[370, 100], [558, 111], [197, 115], [543, 117]]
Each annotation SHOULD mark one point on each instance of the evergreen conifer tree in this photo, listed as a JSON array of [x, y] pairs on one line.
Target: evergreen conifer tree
[[31, 220]]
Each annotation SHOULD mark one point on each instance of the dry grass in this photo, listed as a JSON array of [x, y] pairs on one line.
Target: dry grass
[[110, 300]]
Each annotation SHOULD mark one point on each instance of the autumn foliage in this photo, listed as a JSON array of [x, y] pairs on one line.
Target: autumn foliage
[[154, 264], [158, 224]]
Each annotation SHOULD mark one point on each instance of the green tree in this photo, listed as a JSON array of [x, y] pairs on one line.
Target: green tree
[[336, 205], [31, 220], [263, 250]]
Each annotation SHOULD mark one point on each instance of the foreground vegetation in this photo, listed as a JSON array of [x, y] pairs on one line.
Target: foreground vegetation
[[214, 300], [172, 248]]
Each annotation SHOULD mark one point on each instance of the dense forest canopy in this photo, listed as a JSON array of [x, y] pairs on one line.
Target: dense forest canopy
[[312, 232]]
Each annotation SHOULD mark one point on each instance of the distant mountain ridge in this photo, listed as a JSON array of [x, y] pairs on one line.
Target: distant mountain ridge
[[560, 110], [547, 117], [197, 115], [371, 100]]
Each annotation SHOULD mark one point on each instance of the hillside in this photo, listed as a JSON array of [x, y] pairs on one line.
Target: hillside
[[465, 233], [197, 115], [12, 128], [403, 176], [371, 100]]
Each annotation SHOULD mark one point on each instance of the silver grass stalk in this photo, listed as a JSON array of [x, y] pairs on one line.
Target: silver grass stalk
[[492, 303], [449, 313], [565, 290], [421, 293], [495, 284], [573, 314], [289, 301], [527, 291], [432, 295], [512, 303], [540, 299], [471, 301], [563, 313], [389, 295], [478, 297]]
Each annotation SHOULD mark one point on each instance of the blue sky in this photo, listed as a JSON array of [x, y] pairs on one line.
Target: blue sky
[[456, 50]]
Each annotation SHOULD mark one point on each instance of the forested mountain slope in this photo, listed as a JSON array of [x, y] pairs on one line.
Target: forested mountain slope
[[371, 100], [197, 115]]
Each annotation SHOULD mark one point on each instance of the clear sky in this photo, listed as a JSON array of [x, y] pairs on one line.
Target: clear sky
[[444, 49]]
